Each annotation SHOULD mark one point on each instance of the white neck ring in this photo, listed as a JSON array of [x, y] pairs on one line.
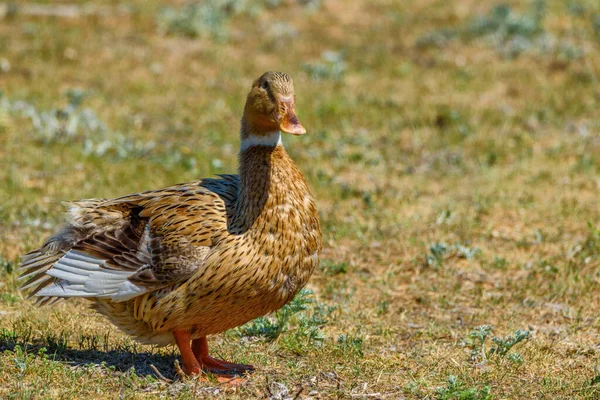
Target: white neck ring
[[271, 140]]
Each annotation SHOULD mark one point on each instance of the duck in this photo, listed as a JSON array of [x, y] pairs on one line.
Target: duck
[[175, 265]]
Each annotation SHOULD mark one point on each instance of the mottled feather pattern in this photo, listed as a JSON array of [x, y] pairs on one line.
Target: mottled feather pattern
[[212, 253]]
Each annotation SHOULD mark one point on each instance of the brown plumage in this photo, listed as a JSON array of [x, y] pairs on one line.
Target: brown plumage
[[190, 260]]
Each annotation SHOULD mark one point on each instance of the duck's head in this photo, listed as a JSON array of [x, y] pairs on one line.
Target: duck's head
[[270, 106]]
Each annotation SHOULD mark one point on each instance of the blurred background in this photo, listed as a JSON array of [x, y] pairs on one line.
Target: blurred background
[[453, 147]]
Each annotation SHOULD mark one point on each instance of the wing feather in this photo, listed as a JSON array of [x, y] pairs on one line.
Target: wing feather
[[121, 248]]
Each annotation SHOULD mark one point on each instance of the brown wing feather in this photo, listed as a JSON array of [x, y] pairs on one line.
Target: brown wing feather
[[162, 236]]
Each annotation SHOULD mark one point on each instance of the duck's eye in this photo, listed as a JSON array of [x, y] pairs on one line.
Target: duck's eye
[[264, 85]]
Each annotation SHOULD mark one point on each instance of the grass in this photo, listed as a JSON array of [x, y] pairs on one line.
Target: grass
[[453, 148]]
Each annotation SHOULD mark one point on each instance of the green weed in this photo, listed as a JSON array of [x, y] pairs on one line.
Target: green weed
[[350, 346], [271, 327], [457, 390], [436, 255], [477, 342], [438, 252], [334, 268]]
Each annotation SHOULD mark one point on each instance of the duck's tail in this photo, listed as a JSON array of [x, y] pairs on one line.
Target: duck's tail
[[84, 219]]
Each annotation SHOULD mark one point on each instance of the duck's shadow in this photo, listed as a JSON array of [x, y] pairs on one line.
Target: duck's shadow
[[121, 360]]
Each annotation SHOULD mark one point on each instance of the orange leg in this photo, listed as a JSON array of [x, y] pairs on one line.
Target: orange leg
[[200, 350], [189, 361], [195, 360]]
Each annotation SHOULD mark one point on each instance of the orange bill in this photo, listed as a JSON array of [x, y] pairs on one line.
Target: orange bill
[[288, 121]]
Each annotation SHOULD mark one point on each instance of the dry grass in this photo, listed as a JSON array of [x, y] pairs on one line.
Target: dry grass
[[457, 176]]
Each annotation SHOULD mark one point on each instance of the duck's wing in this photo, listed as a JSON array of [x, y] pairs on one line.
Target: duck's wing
[[121, 248]]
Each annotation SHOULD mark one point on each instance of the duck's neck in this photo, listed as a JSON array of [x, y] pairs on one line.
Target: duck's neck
[[266, 176], [253, 135]]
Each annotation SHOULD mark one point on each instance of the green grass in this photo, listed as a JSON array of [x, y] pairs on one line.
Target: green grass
[[453, 148]]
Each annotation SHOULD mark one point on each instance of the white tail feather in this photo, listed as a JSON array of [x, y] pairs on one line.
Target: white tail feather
[[82, 275], [35, 282]]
